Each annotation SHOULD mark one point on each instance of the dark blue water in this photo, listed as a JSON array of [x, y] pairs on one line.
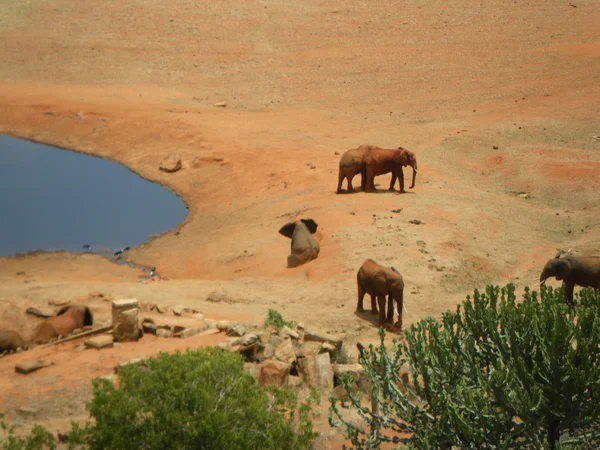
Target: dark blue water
[[53, 199]]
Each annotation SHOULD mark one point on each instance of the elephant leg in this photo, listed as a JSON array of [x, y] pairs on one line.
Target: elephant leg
[[349, 179], [569, 287], [393, 182], [370, 182], [361, 296], [373, 304], [390, 311], [401, 178], [295, 260], [381, 301], [340, 181], [400, 306]]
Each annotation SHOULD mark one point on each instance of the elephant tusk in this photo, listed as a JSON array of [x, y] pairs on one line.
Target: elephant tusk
[[416, 171], [404, 308]]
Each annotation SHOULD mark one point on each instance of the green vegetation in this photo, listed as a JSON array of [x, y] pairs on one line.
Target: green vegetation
[[275, 319], [494, 374], [39, 438], [199, 399]]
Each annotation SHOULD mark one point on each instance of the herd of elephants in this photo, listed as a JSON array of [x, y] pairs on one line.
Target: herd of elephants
[[383, 284]]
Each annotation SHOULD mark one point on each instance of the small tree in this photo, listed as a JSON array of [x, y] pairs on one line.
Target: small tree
[[195, 400], [495, 374]]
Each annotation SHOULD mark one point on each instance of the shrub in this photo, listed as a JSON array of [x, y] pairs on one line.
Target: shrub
[[39, 439], [495, 374], [275, 319], [195, 400]]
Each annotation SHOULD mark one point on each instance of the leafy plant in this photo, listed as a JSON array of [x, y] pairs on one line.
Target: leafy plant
[[200, 399], [275, 319], [39, 439], [494, 374]]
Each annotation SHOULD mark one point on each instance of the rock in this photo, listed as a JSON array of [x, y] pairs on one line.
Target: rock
[[192, 331], [249, 339], [148, 327], [27, 410], [128, 363], [524, 195], [236, 330], [223, 325], [348, 353], [171, 163], [99, 342], [219, 297], [26, 367], [253, 369], [322, 337], [125, 321], [495, 147], [274, 373], [54, 302], [415, 222], [178, 310], [310, 348], [164, 333], [287, 331], [285, 352], [220, 104], [162, 309], [198, 316], [316, 370], [294, 381], [36, 312], [327, 347]]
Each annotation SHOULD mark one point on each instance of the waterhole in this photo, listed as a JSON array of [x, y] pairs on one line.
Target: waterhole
[[55, 199]]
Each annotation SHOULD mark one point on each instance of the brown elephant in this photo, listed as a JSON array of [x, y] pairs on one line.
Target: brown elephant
[[10, 341], [571, 270], [67, 319], [379, 281], [304, 246], [351, 164], [380, 161]]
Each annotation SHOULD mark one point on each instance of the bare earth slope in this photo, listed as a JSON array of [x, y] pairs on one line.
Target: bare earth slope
[[494, 100]]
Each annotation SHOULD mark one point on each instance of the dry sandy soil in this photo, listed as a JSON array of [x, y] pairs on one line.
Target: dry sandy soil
[[495, 100]]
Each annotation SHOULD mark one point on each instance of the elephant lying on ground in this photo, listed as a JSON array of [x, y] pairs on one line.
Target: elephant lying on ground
[[379, 161], [584, 272], [67, 319], [10, 341], [379, 281], [351, 164], [304, 246]]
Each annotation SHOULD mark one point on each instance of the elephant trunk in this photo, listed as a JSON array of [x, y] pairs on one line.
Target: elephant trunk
[[414, 177], [543, 277]]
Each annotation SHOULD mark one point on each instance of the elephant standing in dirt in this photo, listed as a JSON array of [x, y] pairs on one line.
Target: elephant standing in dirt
[[67, 319], [351, 164], [304, 246], [379, 281], [380, 161], [584, 272], [10, 341]]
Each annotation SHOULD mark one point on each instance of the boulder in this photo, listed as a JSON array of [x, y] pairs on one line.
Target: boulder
[[285, 352], [99, 342], [348, 353], [26, 367], [287, 331], [274, 373], [316, 370], [192, 331], [223, 325], [171, 163], [322, 337], [125, 320]]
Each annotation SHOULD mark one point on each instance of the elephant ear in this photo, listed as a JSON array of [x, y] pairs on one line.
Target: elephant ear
[[63, 310], [88, 318], [288, 229], [563, 268], [395, 270], [311, 225]]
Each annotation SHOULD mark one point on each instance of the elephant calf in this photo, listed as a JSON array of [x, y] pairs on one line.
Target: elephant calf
[[67, 319], [379, 281], [584, 272], [10, 341], [304, 246], [351, 164]]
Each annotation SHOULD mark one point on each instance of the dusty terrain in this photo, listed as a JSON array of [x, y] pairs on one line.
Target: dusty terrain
[[495, 100]]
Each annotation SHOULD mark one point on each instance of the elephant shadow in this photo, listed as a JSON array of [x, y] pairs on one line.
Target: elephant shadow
[[368, 316]]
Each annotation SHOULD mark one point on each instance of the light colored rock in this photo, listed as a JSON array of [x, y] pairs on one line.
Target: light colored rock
[[164, 333], [348, 353], [192, 331], [171, 163], [224, 346], [178, 310], [322, 337], [124, 304], [99, 342], [27, 411], [274, 373], [249, 339], [162, 309], [287, 331], [285, 352], [223, 325], [311, 348], [327, 347], [27, 367], [198, 316], [221, 104], [294, 381], [128, 363], [253, 369], [316, 370], [126, 327]]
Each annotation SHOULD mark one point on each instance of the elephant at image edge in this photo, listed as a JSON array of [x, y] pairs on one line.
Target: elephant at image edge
[[379, 281], [10, 341], [67, 319], [380, 161], [584, 272], [304, 246], [351, 164]]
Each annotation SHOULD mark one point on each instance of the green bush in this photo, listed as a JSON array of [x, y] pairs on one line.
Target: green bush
[[195, 400], [39, 438], [495, 374], [275, 319]]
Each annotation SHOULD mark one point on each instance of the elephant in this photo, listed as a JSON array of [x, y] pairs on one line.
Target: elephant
[[380, 161], [379, 281], [67, 319], [351, 164], [304, 246], [571, 270], [10, 341]]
